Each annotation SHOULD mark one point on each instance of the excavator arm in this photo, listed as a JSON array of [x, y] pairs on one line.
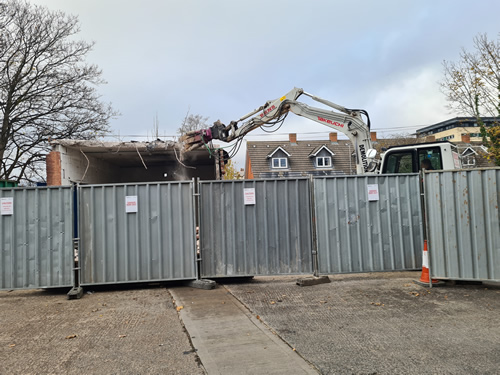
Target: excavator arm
[[346, 121]]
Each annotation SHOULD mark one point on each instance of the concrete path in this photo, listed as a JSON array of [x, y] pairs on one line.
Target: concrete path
[[229, 339]]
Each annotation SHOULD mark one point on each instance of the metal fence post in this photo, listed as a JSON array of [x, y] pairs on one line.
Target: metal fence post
[[196, 206], [313, 229], [76, 292]]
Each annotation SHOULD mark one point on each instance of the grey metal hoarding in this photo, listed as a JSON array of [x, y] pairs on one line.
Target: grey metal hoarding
[[137, 233], [463, 224], [357, 234], [255, 227], [36, 238]]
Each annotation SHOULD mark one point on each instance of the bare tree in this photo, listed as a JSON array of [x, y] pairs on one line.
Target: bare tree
[[47, 91], [192, 122], [472, 85]]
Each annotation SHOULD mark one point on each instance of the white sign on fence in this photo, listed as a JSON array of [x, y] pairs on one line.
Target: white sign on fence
[[131, 203], [372, 192], [7, 206], [249, 196]]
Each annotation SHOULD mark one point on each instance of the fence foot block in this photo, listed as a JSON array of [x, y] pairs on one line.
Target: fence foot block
[[75, 293], [313, 280], [202, 284]]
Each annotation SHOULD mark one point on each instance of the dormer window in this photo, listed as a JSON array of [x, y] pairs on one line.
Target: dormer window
[[280, 163], [323, 161], [322, 157], [279, 158]]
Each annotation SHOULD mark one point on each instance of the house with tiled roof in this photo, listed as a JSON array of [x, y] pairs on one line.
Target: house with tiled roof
[[334, 157], [473, 154], [297, 158]]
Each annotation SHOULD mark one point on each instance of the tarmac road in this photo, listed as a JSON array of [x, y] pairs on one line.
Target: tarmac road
[[382, 323]]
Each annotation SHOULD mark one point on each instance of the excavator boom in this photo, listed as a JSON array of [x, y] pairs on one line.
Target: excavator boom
[[344, 120]]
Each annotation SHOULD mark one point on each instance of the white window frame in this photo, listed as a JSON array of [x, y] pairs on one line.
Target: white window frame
[[469, 161], [279, 162], [323, 159], [469, 151]]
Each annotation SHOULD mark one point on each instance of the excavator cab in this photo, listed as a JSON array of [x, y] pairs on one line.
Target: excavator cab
[[413, 158]]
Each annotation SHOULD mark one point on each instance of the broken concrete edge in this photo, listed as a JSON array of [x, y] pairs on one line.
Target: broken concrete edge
[[75, 293], [183, 317], [313, 280], [202, 284], [102, 146]]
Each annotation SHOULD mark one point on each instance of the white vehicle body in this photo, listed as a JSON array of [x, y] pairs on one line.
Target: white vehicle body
[[409, 158]]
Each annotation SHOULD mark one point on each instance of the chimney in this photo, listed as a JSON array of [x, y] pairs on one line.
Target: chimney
[[293, 138], [53, 165], [373, 136], [466, 138], [333, 137]]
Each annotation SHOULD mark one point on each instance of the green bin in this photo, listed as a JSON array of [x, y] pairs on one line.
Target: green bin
[[7, 184]]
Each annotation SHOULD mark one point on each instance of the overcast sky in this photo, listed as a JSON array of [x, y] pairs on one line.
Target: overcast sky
[[223, 58]]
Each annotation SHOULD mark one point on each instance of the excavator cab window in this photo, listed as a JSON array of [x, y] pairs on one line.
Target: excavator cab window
[[411, 160], [432, 157], [400, 162]]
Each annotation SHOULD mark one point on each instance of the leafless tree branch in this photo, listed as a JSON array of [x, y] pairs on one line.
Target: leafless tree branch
[[475, 78], [47, 90]]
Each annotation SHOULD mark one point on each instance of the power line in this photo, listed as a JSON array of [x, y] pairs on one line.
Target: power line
[[409, 128]]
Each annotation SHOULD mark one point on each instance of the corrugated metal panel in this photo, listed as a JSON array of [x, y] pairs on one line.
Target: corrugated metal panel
[[358, 235], [37, 240], [154, 244], [463, 224], [271, 237]]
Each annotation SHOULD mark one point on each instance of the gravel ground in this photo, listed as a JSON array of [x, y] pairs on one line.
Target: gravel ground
[[382, 323], [134, 331]]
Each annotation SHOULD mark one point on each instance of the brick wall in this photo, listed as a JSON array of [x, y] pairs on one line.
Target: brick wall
[[466, 138], [53, 165]]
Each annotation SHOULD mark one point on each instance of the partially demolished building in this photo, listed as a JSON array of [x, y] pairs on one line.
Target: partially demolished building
[[95, 162]]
